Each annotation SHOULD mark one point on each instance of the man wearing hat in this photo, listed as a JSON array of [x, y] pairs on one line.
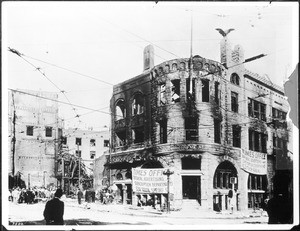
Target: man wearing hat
[[54, 210]]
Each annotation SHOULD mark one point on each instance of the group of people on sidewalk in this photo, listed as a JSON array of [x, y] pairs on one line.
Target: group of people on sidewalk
[[30, 195]]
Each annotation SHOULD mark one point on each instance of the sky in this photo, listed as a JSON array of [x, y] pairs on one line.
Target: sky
[[83, 48]]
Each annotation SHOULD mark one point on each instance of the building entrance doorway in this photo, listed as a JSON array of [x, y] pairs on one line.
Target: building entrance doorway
[[191, 187]]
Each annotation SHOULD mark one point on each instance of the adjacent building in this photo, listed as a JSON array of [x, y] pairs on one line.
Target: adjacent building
[[216, 125], [34, 128]]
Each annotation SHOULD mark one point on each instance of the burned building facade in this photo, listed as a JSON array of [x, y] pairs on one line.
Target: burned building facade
[[216, 125]]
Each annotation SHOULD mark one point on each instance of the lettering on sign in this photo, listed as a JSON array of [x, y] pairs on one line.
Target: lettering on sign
[[150, 181], [254, 162]]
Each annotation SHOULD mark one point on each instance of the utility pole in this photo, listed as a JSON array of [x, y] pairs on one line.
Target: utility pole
[[168, 173], [13, 140], [79, 174]]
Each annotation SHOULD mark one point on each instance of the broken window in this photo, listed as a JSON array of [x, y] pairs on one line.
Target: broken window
[[29, 130], [257, 141], [163, 131], [235, 79], [48, 131], [138, 104], [191, 128], [138, 135], [236, 136], [92, 142], [106, 143], [78, 141], [190, 91], [234, 102], [217, 131], [78, 153], [121, 138], [256, 109], [205, 90], [120, 110], [162, 94], [217, 94], [175, 90], [92, 154]]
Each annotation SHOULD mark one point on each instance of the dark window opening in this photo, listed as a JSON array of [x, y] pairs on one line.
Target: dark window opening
[[217, 95], [236, 136], [29, 130], [119, 176], [257, 182], [92, 154], [190, 91], [222, 175], [217, 131], [48, 131], [191, 128], [78, 141], [138, 135], [92, 142], [175, 90], [64, 140], [234, 102], [256, 109], [205, 90], [106, 143], [138, 104], [163, 131], [257, 141], [78, 153], [189, 163], [277, 114], [121, 138], [235, 79], [162, 94]]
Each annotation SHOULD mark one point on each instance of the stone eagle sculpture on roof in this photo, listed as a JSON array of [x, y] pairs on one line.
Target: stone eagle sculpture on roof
[[224, 33]]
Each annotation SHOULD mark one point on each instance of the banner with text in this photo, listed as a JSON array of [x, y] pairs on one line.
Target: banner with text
[[150, 180], [254, 162]]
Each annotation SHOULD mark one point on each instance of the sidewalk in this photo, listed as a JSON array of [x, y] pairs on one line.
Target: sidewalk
[[150, 212]]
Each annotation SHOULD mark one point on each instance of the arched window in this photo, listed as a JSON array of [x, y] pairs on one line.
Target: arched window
[[128, 174], [120, 109], [222, 176], [119, 176], [235, 79], [138, 104]]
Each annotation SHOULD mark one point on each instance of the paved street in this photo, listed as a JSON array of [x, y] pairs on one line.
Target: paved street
[[99, 214]]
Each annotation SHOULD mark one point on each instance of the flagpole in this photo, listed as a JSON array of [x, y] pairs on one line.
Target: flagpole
[[191, 55]]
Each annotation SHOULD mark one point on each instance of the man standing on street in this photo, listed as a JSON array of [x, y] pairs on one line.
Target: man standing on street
[[79, 196], [54, 210]]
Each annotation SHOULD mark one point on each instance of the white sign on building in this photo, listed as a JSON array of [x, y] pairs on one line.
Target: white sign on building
[[254, 162], [148, 181]]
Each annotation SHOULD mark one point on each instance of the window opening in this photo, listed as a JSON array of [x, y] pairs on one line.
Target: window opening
[[217, 95], [138, 104], [217, 131], [175, 90], [191, 128], [78, 153], [189, 163], [236, 136], [162, 94], [163, 131], [256, 109], [29, 130], [205, 90], [92, 142], [234, 102], [120, 110], [48, 131], [106, 143], [235, 79], [138, 135], [190, 92], [78, 141], [257, 141]]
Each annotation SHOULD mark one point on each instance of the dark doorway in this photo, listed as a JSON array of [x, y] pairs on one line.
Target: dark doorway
[[191, 187]]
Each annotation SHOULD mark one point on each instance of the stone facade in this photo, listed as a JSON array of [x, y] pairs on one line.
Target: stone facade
[[36, 130], [199, 117]]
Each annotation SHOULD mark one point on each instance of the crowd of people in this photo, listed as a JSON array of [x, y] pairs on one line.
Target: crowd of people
[[19, 195]]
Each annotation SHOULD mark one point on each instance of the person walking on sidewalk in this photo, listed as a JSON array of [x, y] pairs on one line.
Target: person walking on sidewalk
[[54, 210], [79, 196]]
